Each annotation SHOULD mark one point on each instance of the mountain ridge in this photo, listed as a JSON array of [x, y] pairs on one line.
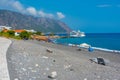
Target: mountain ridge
[[22, 21]]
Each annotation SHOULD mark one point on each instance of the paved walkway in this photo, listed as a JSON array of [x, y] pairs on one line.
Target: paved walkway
[[4, 44]]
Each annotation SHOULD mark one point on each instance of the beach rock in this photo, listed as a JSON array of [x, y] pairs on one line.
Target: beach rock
[[21, 63], [98, 76], [30, 68], [45, 57], [23, 69], [33, 71], [79, 49], [47, 69], [67, 66], [16, 79], [98, 60], [53, 75], [54, 61], [36, 65], [48, 50], [71, 69], [94, 60], [44, 73]]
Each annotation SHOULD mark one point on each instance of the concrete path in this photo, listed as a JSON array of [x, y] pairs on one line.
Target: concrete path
[[4, 44]]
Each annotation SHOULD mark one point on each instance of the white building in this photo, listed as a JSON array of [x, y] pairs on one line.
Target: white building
[[33, 31], [5, 27]]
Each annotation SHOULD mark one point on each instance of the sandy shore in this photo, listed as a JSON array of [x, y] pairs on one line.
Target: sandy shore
[[29, 60]]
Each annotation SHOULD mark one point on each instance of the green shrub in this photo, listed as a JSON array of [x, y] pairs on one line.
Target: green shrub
[[5, 34], [0, 33], [24, 35], [11, 33], [38, 33]]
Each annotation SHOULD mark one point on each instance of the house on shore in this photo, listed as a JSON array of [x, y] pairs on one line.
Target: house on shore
[[17, 32], [5, 28], [32, 31]]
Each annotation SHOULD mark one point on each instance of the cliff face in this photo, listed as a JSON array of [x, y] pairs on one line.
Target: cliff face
[[20, 21]]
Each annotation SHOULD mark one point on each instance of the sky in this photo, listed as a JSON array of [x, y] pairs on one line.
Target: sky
[[90, 16]]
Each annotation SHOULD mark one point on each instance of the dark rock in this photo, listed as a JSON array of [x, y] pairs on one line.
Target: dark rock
[[71, 69], [98, 61], [54, 61], [53, 75]]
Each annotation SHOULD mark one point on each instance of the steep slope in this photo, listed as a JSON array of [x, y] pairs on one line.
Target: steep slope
[[20, 21]]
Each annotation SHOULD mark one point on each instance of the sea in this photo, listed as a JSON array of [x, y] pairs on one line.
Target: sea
[[101, 41]]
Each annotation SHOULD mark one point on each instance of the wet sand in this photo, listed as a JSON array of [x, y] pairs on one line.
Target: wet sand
[[29, 60]]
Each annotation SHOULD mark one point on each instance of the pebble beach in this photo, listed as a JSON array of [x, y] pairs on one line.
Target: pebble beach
[[31, 60]]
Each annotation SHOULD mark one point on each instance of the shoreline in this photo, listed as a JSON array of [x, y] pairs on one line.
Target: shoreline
[[95, 48], [31, 61], [107, 42]]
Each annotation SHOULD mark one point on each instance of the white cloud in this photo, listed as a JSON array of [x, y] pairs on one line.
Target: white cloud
[[16, 5], [104, 5], [12, 5], [43, 14], [50, 15], [60, 15], [32, 11]]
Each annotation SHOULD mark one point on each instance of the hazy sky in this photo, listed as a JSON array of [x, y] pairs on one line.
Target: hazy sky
[[87, 15]]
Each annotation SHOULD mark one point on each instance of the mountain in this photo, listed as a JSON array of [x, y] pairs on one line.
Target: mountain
[[21, 21]]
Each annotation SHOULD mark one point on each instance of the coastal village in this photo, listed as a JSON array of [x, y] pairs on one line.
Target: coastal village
[[32, 34], [35, 35]]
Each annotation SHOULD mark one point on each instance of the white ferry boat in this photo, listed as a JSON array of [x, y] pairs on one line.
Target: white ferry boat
[[77, 34]]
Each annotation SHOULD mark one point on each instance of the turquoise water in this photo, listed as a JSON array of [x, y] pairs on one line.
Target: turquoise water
[[102, 40]]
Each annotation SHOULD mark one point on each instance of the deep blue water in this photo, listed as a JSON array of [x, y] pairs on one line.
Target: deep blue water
[[102, 40]]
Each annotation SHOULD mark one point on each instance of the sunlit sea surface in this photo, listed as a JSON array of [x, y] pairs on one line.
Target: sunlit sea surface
[[100, 40]]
